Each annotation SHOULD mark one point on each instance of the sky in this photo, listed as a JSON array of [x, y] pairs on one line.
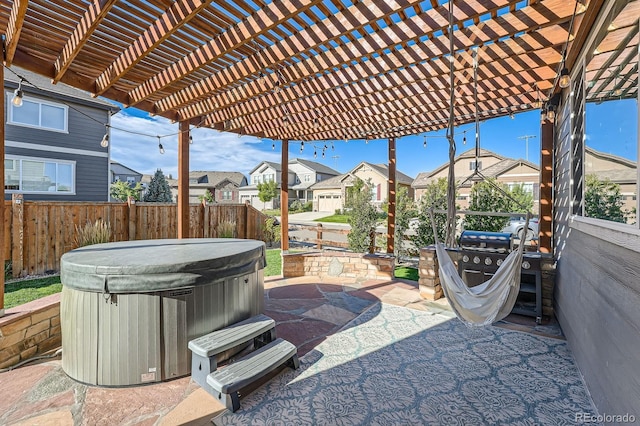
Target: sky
[[221, 151]]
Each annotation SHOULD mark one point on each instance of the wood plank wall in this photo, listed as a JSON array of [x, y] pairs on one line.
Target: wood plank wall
[[597, 291], [38, 233]]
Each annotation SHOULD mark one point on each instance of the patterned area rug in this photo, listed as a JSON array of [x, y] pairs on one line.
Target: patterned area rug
[[398, 366]]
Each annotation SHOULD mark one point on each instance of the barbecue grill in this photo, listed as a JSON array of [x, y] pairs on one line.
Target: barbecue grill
[[481, 253]]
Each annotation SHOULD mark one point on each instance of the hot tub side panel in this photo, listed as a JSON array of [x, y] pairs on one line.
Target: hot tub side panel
[[129, 340], [79, 323]]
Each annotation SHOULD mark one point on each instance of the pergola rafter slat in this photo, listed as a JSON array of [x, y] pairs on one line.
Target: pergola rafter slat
[[14, 27]]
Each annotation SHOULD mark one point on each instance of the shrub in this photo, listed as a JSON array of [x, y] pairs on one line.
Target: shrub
[[207, 196], [271, 231], [296, 206], [485, 197], [434, 196], [308, 206], [226, 229], [362, 217], [93, 233]]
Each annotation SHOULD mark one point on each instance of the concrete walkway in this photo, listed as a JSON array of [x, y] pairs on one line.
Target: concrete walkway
[[307, 310]]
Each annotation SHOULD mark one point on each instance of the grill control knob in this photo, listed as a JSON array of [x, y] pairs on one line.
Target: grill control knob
[[487, 261], [465, 258], [499, 262], [476, 260], [526, 265]]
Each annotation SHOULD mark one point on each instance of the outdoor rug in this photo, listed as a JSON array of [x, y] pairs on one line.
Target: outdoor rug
[[399, 366]]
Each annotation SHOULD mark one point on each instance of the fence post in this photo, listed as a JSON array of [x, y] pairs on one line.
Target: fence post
[[17, 235], [133, 217], [246, 220], [205, 220], [372, 243], [319, 236]]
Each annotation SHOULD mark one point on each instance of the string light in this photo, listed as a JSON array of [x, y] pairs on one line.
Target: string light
[[333, 148], [105, 140], [273, 145], [618, 90], [424, 143], [190, 140], [315, 152], [565, 80], [301, 146], [17, 95], [160, 147], [464, 138], [316, 123]]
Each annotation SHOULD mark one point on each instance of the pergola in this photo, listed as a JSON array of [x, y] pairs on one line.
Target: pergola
[[304, 70]]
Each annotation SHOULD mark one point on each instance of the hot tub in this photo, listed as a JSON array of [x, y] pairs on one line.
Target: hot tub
[[129, 309]]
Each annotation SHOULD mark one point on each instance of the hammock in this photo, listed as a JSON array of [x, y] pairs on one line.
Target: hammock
[[488, 302]]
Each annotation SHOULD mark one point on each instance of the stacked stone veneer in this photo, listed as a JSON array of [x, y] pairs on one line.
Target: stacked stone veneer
[[431, 288], [29, 330], [338, 264]]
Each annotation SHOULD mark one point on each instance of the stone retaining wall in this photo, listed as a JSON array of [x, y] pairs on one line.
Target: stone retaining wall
[[338, 264], [29, 330]]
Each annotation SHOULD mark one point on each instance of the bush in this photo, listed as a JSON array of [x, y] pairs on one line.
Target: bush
[[93, 233], [296, 207], [362, 217], [308, 206], [226, 229], [485, 197], [271, 231], [435, 196]]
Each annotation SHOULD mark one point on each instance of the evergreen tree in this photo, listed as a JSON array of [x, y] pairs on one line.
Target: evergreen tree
[[434, 196], [405, 210], [159, 190], [362, 217]]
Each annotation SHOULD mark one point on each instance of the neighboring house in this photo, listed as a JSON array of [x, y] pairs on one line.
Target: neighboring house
[[508, 171], [223, 186], [302, 174], [618, 170], [330, 195], [53, 140], [123, 173]]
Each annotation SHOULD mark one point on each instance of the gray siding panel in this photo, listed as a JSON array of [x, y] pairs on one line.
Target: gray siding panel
[[597, 293], [92, 179], [86, 127]]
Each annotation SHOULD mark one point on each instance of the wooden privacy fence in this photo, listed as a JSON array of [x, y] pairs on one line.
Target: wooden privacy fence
[[38, 233]]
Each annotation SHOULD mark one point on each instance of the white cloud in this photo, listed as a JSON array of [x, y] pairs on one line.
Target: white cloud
[[211, 150]]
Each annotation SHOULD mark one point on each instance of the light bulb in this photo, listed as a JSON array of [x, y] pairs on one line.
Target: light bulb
[[617, 92], [551, 115], [273, 146], [105, 141], [17, 98], [316, 123], [301, 146], [190, 139], [161, 148], [464, 140], [565, 80], [424, 143]]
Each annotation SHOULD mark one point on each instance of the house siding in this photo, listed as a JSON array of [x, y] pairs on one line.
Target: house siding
[[84, 133], [597, 290]]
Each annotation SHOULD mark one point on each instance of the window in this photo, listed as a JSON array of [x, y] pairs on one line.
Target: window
[[39, 114], [39, 175], [307, 178], [131, 179], [472, 165], [227, 195]]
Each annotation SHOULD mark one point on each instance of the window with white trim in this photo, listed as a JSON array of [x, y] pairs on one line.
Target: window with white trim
[[39, 114], [39, 175], [227, 195]]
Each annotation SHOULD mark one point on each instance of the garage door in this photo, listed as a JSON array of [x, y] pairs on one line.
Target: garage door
[[329, 203]]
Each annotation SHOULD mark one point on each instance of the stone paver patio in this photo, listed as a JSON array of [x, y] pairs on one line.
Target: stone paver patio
[[306, 309]]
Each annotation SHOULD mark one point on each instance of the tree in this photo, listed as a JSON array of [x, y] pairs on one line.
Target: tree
[[207, 196], [434, 196], [267, 191], [362, 218], [122, 190], [523, 198], [485, 197], [159, 190], [602, 199], [405, 210]]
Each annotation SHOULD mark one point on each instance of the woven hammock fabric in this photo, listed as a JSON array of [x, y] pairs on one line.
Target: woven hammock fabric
[[488, 302]]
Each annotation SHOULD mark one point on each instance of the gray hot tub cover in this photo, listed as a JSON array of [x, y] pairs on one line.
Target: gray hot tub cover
[[155, 265]]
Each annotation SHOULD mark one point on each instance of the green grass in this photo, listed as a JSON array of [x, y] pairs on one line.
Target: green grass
[[275, 212], [21, 292], [406, 273], [336, 218], [274, 263]]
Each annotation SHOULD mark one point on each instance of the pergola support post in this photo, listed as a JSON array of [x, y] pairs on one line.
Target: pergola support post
[[545, 223], [2, 236], [284, 197], [391, 219], [183, 180]]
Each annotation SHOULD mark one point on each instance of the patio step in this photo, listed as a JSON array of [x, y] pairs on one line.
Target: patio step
[[204, 349], [228, 380]]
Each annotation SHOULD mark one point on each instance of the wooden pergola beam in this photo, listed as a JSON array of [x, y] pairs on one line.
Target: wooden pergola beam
[[14, 27], [413, 29], [253, 26], [92, 18], [391, 197], [284, 197], [178, 14], [183, 180]]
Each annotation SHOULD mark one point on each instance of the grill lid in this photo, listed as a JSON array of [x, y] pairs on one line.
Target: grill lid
[[498, 242]]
